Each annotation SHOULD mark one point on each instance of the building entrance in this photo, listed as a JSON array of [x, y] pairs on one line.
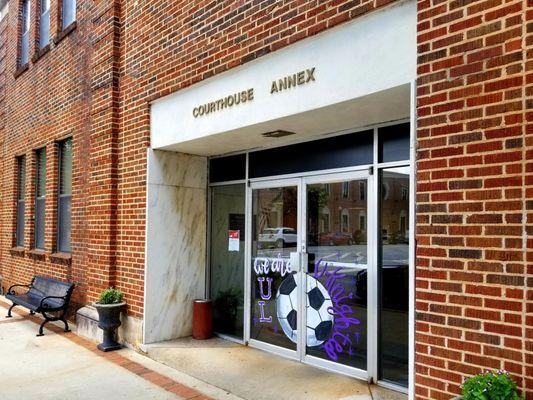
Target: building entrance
[[310, 254], [309, 269]]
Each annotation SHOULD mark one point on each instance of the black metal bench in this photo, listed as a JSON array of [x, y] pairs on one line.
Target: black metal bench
[[45, 296]]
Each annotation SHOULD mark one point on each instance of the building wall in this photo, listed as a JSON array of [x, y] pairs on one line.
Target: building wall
[[94, 85], [3, 47], [189, 42], [69, 90], [474, 195], [474, 189], [45, 103]]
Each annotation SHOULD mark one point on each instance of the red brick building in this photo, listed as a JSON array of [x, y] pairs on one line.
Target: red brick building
[[205, 141]]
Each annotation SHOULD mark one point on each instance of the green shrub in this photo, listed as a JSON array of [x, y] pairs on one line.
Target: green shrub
[[491, 386], [111, 296], [227, 301]]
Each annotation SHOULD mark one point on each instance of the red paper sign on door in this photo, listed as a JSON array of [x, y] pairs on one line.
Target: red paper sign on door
[[233, 242]]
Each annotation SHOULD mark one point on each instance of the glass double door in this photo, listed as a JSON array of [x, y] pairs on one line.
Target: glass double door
[[309, 270]]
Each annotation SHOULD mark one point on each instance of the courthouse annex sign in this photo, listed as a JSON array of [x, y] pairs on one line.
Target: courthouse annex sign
[[278, 85]]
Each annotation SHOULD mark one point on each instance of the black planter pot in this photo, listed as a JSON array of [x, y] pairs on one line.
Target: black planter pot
[[109, 321]]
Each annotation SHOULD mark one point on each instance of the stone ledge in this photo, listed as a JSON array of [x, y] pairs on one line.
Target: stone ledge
[[18, 251], [129, 333], [61, 258], [65, 32], [39, 53], [87, 324]]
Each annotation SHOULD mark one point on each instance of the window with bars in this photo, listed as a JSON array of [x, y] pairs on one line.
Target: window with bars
[[40, 192], [25, 34], [21, 205], [68, 12], [44, 24], [65, 196]]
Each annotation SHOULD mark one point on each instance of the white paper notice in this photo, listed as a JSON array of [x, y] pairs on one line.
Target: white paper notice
[[234, 237]]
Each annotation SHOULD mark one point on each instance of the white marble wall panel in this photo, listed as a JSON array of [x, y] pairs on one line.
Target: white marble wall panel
[[175, 243], [176, 169]]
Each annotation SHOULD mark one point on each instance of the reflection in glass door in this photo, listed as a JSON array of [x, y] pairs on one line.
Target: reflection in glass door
[[394, 275], [274, 288], [227, 258], [336, 279], [326, 227]]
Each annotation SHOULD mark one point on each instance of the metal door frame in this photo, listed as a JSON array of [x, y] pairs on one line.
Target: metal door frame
[[369, 373], [372, 290], [267, 184]]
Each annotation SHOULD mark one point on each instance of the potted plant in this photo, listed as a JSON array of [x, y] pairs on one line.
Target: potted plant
[[226, 304], [109, 307], [490, 386]]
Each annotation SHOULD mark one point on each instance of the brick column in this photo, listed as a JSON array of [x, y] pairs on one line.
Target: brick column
[[528, 209], [471, 271], [102, 205], [3, 51]]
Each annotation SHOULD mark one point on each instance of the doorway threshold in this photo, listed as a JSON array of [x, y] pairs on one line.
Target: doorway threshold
[[252, 374]]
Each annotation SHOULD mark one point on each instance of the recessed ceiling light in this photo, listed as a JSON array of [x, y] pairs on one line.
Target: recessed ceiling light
[[278, 134]]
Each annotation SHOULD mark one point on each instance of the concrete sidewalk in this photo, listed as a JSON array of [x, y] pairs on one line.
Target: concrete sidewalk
[[64, 366], [258, 375]]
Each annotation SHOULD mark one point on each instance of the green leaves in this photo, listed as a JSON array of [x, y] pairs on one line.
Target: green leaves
[[491, 386], [111, 296]]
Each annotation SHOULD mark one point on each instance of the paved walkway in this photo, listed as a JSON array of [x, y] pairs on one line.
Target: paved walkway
[[65, 366], [258, 375]]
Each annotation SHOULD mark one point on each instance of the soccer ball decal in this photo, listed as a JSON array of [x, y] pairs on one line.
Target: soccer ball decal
[[319, 320]]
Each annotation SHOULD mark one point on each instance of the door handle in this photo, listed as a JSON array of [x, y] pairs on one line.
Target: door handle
[[310, 263], [304, 257], [299, 261]]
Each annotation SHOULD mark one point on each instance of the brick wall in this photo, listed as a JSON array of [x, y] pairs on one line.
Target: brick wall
[[47, 102], [3, 47], [474, 259]]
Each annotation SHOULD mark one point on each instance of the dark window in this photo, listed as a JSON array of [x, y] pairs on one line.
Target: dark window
[[44, 24], [65, 195], [336, 152], [68, 12], [345, 190], [393, 269], [21, 205], [227, 258], [40, 191], [224, 169], [25, 33], [394, 143]]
